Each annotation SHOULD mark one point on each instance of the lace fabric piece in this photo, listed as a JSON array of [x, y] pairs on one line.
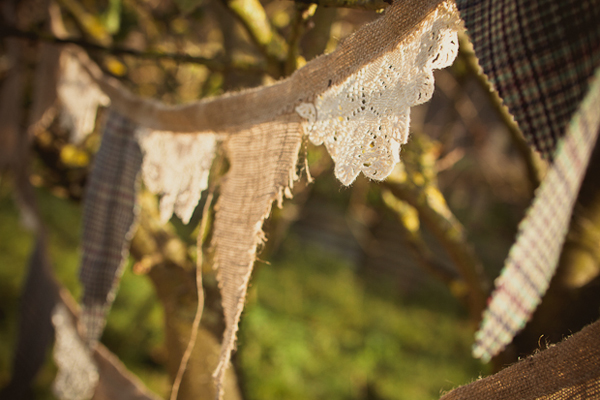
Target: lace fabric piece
[[77, 374], [176, 167], [364, 120], [80, 97]]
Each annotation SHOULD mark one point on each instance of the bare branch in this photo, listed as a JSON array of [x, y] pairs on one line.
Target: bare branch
[[253, 17], [214, 64], [302, 15], [89, 23], [360, 4]]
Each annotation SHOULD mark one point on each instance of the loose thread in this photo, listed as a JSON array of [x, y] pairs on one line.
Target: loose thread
[[196, 324]]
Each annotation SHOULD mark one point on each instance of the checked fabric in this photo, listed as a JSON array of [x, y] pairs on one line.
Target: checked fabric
[[540, 56], [109, 219], [533, 258]]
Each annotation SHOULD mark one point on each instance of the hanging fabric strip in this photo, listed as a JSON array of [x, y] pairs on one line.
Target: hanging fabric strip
[[263, 129], [176, 168], [79, 96], [568, 370], [262, 169], [77, 374], [533, 258], [539, 56], [84, 372], [108, 220]]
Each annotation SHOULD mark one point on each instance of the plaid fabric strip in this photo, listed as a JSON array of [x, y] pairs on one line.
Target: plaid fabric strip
[[109, 217], [539, 56], [533, 258]]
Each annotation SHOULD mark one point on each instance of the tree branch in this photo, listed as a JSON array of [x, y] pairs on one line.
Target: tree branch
[[89, 23], [406, 214], [360, 4], [253, 17], [215, 65], [415, 182], [302, 14]]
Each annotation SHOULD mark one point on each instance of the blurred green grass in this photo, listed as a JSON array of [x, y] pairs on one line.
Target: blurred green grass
[[314, 329]]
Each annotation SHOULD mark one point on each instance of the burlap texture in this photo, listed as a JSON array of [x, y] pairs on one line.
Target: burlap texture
[[233, 111], [569, 370], [264, 136], [262, 167]]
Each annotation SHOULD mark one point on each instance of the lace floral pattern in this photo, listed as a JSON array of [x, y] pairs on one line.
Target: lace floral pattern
[[176, 167], [364, 120]]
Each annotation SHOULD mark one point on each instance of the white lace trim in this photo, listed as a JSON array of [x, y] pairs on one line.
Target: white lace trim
[[77, 374], [364, 120], [80, 97], [176, 167]]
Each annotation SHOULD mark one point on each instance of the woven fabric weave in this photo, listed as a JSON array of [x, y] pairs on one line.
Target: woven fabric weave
[[569, 370], [263, 164], [538, 55], [108, 220], [533, 258]]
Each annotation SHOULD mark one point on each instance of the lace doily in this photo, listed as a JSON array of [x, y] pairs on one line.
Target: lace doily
[[364, 120], [176, 167], [80, 97], [77, 374]]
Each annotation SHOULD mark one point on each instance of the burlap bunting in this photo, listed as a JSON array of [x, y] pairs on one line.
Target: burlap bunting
[[539, 56]]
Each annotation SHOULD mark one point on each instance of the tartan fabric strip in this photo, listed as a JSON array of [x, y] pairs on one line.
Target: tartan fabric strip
[[108, 220], [538, 55], [533, 258]]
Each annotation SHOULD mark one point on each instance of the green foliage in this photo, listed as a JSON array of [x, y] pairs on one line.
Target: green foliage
[[314, 329]]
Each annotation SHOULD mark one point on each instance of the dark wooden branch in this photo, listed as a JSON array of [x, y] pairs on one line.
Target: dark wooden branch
[[252, 15], [360, 4], [215, 64]]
